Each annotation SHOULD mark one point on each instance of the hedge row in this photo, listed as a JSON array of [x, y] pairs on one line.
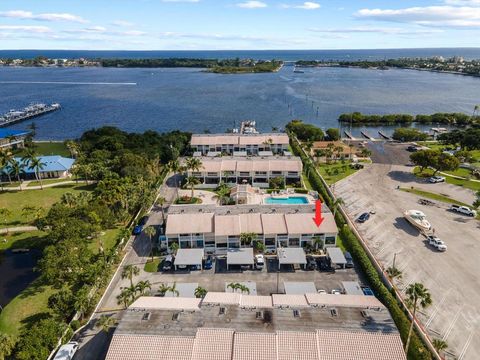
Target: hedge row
[[417, 350]]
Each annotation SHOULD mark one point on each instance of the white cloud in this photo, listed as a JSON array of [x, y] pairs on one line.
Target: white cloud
[[252, 4], [28, 15], [20, 28], [381, 30], [122, 23], [463, 2], [439, 16], [181, 1], [307, 5], [100, 30]]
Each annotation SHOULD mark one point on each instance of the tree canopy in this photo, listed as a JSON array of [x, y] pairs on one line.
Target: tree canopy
[[305, 132]]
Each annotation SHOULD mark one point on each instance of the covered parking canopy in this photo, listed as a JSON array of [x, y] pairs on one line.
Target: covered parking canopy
[[187, 257], [243, 256], [291, 256], [352, 288], [336, 256], [299, 288]]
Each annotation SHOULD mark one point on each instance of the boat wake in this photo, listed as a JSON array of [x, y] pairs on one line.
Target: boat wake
[[69, 83]]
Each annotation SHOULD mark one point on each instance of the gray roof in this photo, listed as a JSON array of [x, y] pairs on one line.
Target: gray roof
[[299, 288], [243, 256], [336, 255], [352, 288], [186, 290], [189, 257], [291, 256]]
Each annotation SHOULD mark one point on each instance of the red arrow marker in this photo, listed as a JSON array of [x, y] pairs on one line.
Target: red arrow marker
[[318, 219]]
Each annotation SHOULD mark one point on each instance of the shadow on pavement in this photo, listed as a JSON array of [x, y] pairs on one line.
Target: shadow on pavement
[[97, 346], [402, 224], [404, 176]]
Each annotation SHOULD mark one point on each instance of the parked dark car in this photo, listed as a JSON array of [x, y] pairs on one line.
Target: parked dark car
[[208, 262], [325, 264], [412, 148], [167, 263], [364, 217], [367, 291], [311, 263], [137, 230], [349, 259], [356, 166]]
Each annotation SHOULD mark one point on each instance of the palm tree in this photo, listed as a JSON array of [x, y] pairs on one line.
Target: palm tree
[[393, 273], [222, 193], [126, 297], [16, 169], [33, 128], [243, 289], [193, 164], [150, 232], [105, 322], [36, 165], [439, 344], [246, 238], [173, 290], [200, 292], [174, 247], [191, 182], [416, 293], [129, 271], [339, 151], [73, 148], [260, 246], [69, 199], [318, 242], [233, 286], [5, 158], [161, 202], [163, 289], [365, 152], [338, 202], [142, 287], [174, 167]]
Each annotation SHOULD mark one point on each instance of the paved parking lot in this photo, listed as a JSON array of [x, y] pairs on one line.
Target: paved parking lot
[[452, 277]]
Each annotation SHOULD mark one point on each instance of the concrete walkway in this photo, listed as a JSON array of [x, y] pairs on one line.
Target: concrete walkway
[[18, 229], [24, 186]]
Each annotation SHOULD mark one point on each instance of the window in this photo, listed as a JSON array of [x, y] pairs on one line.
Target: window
[[330, 240], [294, 242], [222, 311], [296, 313], [269, 241]]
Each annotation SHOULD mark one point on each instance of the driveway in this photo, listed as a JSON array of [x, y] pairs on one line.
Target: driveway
[[451, 277]]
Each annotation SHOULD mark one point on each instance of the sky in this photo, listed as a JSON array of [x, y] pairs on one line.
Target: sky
[[238, 24]]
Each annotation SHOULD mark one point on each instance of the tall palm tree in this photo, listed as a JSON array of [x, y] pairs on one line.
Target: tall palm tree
[[246, 238], [73, 148], [16, 169], [174, 167], [200, 292], [417, 295], [193, 164], [36, 164], [234, 286], [394, 273], [174, 247], [142, 287], [222, 193], [338, 202], [150, 232], [161, 202], [439, 345], [318, 242], [173, 290], [126, 297], [105, 322], [163, 289], [129, 271], [244, 289], [5, 157], [191, 182]]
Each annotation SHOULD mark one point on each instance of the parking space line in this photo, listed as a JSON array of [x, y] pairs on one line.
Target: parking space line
[[467, 344], [452, 324], [437, 308]]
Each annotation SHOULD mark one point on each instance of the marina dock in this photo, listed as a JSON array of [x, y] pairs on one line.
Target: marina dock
[[33, 110], [365, 135], [383, 135], [349, 136]]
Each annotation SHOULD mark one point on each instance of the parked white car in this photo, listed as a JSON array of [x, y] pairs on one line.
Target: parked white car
[[321, 291], [436, 243], [66, 351], [259, 261], [436, 179], [463, 210], [336, 292]]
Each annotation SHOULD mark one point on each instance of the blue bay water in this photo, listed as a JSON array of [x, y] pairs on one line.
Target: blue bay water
[[192, 100]]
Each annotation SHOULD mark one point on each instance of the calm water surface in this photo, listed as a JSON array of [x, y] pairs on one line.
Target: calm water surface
[[189, 99]]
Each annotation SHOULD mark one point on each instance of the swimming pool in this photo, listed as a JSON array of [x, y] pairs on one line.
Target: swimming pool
[[290, 200]]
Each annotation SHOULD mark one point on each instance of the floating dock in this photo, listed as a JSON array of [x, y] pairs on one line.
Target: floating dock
[[383, 135], [348, 135], [31, 111], [365, 135]]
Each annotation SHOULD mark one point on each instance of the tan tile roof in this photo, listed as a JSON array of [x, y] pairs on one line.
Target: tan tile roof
[[251, 223], [227, 225], [245, 166], [254, 301], [197, 223], [296, 345], [211, 166], [304, 224], [213, 344], [291, 301], [273, 224], [166, 303], [222, 298], [150, 347], [342, 345], [232, 139], [250, 346], [248, 165], [229, 165], [351, 301]]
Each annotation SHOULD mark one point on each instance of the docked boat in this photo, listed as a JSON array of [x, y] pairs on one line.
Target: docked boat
[[31, 111], [417, 219]]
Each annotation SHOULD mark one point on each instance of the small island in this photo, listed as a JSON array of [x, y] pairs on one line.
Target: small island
[[390, 119]]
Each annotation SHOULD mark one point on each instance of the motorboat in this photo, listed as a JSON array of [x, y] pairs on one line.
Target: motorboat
[[417, 219]]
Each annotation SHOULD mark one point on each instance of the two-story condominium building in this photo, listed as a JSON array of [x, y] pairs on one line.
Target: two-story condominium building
[[252, 144], [218, 228], [256, 171]]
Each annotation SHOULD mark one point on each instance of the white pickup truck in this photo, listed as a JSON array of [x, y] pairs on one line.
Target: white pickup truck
[[436, 243], [463, 210]]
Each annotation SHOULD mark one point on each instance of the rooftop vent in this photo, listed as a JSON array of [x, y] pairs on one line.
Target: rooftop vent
[[146, 316], [222, 311], [296, 313], [175, 316], [228, 211], [259, 315], [364, 314], [334, 312]]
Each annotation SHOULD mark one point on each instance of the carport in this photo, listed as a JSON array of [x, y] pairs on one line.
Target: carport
[[299, 288], [187, 257], [336, 256], [291, 256], [243, 256], [185, 290], [352, 288]]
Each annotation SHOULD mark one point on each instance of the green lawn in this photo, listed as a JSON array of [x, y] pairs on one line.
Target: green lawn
[[49, 148], [473, 185], [47, 182], [16, 200], [306, 182], [23, 240], [109, 240], [460, 172], [152, 266], [433, 196], [23, 311], [335, 171]]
